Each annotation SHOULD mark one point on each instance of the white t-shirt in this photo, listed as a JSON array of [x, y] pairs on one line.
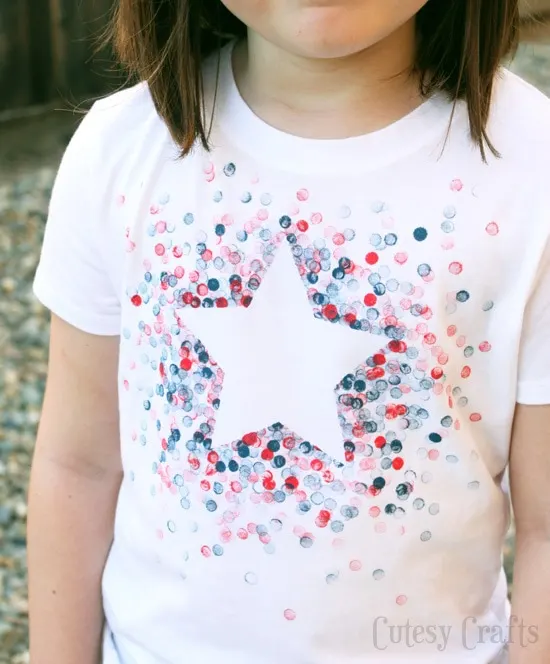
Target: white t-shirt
[[321, 347]]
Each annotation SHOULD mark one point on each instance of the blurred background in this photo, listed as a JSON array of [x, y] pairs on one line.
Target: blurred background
[[50, 72]]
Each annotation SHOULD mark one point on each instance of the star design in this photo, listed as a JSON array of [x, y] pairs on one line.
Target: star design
[[280, 363]]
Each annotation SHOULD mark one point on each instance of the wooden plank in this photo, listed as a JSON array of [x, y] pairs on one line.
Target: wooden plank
[[15, 80], [40, 52], [77, 25], [104, 75]]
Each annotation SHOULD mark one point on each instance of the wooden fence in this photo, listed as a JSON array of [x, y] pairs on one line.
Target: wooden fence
[[47, 51]]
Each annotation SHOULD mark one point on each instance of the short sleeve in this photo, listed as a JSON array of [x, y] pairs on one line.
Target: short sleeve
[[72, 279], [534, 357]]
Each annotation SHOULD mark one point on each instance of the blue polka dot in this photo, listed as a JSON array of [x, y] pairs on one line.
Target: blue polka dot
[[420, 234], [279, 461]]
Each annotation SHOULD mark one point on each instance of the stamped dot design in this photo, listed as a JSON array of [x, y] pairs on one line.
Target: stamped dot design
[[396, 409]]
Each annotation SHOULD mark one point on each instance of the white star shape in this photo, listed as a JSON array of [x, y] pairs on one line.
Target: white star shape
[[280, 363]]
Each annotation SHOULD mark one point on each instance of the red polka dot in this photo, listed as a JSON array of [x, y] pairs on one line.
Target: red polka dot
[[350, 318], [374, 374], [379, 442], [136, 300], [475, 417], [186, 364], [397, 346], [466, 372], [236, 487], [269, 484], [484, 346], [379, 359], [302, 225], [330, 311], [455, 268], [372, 258], [370, 299], [292, 482], [492, 228], [250, 438], [302, 195], [401, 599], [289, 443], [159, 249], [397, 463], [437, 373], [328, 476]]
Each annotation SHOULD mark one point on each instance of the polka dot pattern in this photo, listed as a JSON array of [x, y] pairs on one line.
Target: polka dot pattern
[[398, 410]]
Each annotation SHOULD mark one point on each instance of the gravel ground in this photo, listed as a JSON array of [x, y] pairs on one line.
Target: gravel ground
[[29, 153]]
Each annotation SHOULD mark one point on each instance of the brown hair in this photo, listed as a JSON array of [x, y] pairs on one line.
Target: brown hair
[[461, 44]]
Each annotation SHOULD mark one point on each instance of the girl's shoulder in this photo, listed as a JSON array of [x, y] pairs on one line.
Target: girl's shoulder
[[520, 116], [119, 138], [115, 122]]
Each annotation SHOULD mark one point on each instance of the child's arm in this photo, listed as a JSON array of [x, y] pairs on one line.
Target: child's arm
[[529, 474], [75, 478]]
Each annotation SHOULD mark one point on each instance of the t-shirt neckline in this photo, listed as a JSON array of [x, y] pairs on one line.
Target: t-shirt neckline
[[425, 126]]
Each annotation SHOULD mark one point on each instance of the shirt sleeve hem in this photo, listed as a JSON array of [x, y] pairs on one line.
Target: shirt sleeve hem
[[534, 394], [105, 325]]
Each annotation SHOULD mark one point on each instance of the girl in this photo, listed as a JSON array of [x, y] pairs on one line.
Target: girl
[[299, 279]]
